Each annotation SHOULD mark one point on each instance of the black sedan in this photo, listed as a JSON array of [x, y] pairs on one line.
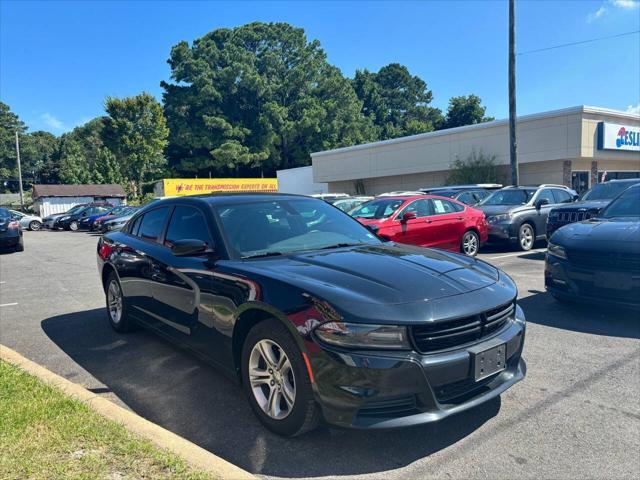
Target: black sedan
[[599, 259], [589, 205], [10, 232], [313, 314]]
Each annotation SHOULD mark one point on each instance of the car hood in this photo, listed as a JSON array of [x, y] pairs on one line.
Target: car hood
[[119, 219], [497, 209], [605, 234], [592, 205], [373, 281], [54, 216]]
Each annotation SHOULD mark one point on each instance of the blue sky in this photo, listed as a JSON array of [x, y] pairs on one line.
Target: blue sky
[[59, 60]]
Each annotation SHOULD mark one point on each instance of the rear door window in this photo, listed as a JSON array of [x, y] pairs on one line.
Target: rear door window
[[187, 223], [152, 224], [467, 197], [441, 207]]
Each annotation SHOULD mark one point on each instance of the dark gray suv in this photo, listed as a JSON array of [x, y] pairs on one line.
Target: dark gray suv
[[519, 214]]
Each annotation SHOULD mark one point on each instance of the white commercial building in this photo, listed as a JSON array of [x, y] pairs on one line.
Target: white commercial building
[[50, 199], [300, 181], [576, 147]]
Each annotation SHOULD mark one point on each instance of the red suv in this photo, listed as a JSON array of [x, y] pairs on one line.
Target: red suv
[[427, 221]]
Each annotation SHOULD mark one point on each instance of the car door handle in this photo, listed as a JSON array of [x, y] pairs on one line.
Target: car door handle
[[428, 221], [459, 218]]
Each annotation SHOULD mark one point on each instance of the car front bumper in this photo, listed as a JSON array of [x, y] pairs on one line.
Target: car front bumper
[[501, 232], [574, 282], [373, 390]]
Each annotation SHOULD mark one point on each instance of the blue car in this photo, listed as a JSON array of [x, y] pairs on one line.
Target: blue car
[[87, 223]]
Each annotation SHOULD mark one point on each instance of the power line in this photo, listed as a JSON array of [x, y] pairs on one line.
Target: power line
[[578, 43]]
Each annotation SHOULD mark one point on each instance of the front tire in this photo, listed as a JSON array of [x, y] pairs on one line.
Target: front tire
[[116, 305], [73, 226], [526, 237], [470, 243], [276, 381], [35, 226]]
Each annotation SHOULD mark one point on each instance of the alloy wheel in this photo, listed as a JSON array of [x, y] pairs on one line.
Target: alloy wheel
[[272, 379], [114, 302], [470, 244], [73, 226], [526, 237], [35, 226]]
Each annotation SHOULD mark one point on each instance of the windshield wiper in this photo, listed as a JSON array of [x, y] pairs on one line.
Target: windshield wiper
[[262, 255], [339, 245]]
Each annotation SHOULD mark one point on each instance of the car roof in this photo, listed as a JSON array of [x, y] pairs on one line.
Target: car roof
[[624, 180]]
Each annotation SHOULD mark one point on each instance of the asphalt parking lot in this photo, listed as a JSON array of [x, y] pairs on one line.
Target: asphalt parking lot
[[576, 414]]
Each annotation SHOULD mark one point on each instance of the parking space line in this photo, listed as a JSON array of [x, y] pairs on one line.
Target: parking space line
[[7, 304], [517, 254]]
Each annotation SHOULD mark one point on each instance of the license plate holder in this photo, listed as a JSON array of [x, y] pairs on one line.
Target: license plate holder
[[613, 280], [489, 361]]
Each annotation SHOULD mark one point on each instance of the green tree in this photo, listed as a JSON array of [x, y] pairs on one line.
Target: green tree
[[136, 133], [256, 98], [476, 168], [465, 110], [107, 169], [39, 154], [396, 101], [73, 167], [9, 124]]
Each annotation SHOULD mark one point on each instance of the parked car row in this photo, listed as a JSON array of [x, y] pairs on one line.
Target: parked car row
[[95, 216]]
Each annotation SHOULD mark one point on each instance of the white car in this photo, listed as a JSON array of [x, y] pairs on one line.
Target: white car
[[27, 221]]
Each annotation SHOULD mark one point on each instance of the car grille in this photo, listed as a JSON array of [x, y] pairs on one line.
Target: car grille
[[460, 391], [571, 217], [391, 407], [451, 333], [609, 261]]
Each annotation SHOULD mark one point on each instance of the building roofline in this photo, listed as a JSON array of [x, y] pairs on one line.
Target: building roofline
[[480, 126]]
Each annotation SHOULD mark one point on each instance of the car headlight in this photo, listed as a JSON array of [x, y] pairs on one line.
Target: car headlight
[[358, 335], [556, 250], [502, 217]]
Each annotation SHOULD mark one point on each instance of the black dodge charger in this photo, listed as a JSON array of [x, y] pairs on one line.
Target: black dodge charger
[[599, 259], [313, 314]]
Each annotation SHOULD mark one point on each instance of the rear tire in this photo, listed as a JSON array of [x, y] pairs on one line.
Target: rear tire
[[35, 226], [279, 389], [526, 237], [117, 311], [470, 243]]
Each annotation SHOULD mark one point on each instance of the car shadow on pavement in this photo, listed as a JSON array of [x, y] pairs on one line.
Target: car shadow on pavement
[[187, 396], [543, 309]]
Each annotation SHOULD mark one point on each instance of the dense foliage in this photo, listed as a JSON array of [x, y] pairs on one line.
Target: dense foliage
[[476, 168], [245, 101]]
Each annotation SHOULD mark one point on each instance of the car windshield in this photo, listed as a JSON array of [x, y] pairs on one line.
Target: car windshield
[[265, 228], [511, 196], [377, 209], [119, 210], [75, 209], [605, 191], [4, 213], [626, 205]]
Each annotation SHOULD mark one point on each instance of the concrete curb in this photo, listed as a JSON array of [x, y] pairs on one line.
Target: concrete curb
[[194, 455]]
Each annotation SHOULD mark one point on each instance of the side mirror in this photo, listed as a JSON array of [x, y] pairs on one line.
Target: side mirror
[[408, 216], [189, 248], [541, 202]]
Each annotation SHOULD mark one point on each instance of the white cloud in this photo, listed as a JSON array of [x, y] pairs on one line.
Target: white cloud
[[626, 4], [597, 14], [623, 4], [634, 109], [52, 122]]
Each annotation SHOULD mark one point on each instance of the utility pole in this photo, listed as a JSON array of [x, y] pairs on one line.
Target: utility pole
[[19, 172], [513, 139]]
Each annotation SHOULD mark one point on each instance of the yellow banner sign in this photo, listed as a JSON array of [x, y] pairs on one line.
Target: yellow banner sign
[[195, 186]]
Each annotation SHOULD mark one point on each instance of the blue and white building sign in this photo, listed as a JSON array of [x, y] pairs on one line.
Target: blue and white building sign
[[612, 136]]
